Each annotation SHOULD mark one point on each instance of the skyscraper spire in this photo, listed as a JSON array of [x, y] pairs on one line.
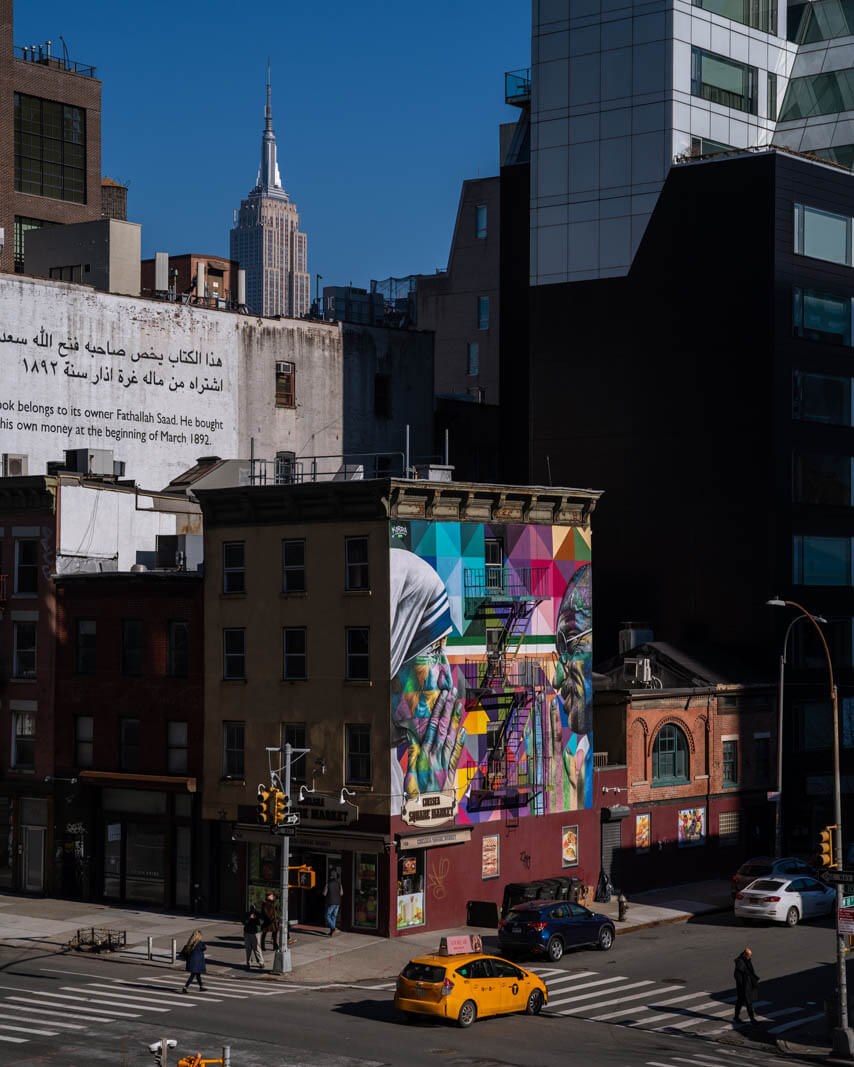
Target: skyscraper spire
[[268, 173]]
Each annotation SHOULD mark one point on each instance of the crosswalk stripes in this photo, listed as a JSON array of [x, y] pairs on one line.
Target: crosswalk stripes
[[644, 1004]]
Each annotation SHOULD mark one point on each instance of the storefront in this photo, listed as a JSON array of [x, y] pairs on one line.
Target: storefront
[[411, 908]]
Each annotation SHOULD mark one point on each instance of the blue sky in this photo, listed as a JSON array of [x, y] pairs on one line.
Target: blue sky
[[380, 112]]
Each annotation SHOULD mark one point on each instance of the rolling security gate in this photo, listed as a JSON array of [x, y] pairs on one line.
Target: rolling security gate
[[611, 841]]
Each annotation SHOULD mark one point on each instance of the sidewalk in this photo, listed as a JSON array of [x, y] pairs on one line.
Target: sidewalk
[[49, 924]]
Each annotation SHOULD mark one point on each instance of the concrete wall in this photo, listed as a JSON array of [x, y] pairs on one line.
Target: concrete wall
[[106, 250], [160, 384]]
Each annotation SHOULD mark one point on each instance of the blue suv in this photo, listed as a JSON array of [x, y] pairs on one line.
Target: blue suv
[[551, 926]]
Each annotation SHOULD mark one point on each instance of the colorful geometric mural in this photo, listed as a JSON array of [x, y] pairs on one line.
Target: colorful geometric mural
[[491, 676]]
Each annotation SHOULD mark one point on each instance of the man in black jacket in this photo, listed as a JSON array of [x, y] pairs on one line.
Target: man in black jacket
[[746, 981]]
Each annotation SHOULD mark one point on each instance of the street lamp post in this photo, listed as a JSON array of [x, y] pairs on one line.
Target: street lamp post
[[843, 1036], [778, 808]]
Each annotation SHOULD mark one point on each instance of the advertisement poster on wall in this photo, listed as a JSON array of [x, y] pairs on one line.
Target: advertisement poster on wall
[[490, 864], [692, 826], [569, 846], [642, 832]]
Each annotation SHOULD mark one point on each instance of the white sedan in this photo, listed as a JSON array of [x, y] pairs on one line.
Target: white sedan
[[785, 900]]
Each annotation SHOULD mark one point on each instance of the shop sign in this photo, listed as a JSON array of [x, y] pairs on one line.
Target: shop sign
[[442, 837], [323, 811], [430, 808]]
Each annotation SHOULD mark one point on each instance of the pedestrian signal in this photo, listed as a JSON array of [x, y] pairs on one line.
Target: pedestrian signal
[[264, 810], [280, 807], [825, 847], [305, 878]]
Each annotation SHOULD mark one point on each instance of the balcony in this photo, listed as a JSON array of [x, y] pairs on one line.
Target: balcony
[[506, 583], [517, 87], [498, 674]]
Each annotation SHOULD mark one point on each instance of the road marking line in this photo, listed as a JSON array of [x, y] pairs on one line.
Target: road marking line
[[385, 985], [98, 1008], [119, 1000], [778, 1014], [600, 992], [649, 1007], [29, 1030], [96, 986], [586, 985], [14, 1040], [56, 1010], [173, 982], [711, 1016], [42, 1022], [702, 1063], [618, 1000], [798, 1022], [566, 977], [655, 1063]]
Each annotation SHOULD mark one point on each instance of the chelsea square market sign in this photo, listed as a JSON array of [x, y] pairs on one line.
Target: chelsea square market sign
[[156, 396]]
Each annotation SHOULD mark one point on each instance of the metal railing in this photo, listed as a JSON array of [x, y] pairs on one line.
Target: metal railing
[[38, 54], [506, 583], [349, 467], [499, 673], [600, 760], [517, 86]]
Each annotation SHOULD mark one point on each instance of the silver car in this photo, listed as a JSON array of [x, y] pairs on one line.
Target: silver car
[[784, 900]]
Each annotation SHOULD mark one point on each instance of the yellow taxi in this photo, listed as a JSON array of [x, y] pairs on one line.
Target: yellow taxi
[[463, 987]]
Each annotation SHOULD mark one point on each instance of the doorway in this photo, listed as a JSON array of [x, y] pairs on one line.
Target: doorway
[[32, 859], [314, 903]]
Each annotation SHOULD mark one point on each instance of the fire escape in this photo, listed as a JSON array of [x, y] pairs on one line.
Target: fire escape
[[513, 772]]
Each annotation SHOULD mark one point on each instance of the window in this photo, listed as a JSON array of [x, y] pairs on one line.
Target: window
[[483, 312], [295, 661], [26, 566], [293, 566], [358, 754], [823, 235], [50, 149], [285, 393], [493, 554], [669, 756], [480, 221], [132, 646], [23, 225], [24, 747], [821, 20], [823, 317], [843, 154], [293, 734], [358, 654], [772, 96], [824, 480], [821, 398], [232, 749], [234, 653], [818, 94], [760, 14], [176, 747], [702, 146], [356, 552], [129, 744], [24, 652], [808, 651], [178, 649], [382, 396], [234, 567], [84, 740], [723, 81], [761, 759], [821, 560], [84, 653], [67, 274], [473, 358], [730, 762], [813, 726], [729, 829]]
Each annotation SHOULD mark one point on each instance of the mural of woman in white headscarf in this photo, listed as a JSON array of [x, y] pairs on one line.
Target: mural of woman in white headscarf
[[427, 704]]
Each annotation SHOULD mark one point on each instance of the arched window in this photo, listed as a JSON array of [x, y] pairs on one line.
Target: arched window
[[670, 756]]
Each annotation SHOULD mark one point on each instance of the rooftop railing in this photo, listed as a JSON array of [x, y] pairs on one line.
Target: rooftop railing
[[41, 55], [517, 87]]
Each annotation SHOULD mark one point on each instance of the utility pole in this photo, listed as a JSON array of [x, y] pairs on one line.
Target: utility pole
[[282, 956]]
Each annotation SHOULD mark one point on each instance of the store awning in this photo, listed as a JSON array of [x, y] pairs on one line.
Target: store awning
[[434, 839], [168, 782], [315, 839]]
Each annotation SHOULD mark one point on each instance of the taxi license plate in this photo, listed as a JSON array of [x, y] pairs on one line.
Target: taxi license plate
[[419, 991], [516, 929]]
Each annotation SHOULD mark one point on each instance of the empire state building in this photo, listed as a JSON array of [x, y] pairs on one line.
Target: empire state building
[[266, 238]]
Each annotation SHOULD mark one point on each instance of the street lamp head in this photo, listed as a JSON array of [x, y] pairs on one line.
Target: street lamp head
[[775, 602]]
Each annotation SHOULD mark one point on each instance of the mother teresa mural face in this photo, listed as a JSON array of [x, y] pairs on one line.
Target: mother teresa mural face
[[427, 700]]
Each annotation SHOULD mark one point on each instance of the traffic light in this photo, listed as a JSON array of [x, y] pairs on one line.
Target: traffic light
[[280, 807], [265, 804], [825, 847], [305, 878]]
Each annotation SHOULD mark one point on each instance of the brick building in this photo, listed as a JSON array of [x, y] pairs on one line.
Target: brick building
[[128, 734], [699, 750], [215, 286], [50, 141]]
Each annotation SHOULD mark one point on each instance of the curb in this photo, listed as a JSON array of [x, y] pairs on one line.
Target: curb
[[683, 918]]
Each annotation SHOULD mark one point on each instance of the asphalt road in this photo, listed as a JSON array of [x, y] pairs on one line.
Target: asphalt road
[[638, 1005]]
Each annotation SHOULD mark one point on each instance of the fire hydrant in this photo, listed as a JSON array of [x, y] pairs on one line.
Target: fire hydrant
[[622, 907]]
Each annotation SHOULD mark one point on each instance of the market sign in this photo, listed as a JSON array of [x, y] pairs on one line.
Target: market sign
[[430, 808], [323, 811], [440, 837]]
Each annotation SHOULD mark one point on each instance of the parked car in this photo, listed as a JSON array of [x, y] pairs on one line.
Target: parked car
[[766, 867], [560, 887], [784, 900], [551, 927], [464, 987]]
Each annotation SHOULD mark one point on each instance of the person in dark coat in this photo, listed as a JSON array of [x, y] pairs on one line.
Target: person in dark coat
[[270, 921], [746, 981], [195, 951], [251, 943], [332, 892]]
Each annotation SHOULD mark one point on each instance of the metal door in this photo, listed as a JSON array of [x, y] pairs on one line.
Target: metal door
[[610, 847], [32, 859]]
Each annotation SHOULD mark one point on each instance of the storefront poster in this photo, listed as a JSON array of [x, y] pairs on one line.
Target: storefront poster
[[569, 846], [410, 910], [642, 832], [692, 826], [365, 892], [490, 864], [408, 864]]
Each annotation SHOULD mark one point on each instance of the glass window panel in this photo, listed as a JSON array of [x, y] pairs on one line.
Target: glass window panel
[[821, 316], [480, 221], [823, 479], [723, 81], [818, 94], [293, 566], [473, 360], [822, 560], [823, 235], [822, 398]]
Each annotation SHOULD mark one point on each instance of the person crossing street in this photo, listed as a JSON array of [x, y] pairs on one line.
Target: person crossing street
[[746, 982]]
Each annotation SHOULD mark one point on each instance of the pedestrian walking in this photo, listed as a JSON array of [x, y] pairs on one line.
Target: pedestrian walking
[[746, 981], [270, 921], [250, 940], [194, 952], [332, 893]]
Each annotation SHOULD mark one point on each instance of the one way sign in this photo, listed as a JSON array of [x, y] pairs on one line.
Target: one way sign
[[291, 819]]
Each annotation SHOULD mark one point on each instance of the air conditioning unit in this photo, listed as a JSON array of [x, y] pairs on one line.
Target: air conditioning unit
[[119, 468], [14, 466], [179, 552], [97, 461]]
